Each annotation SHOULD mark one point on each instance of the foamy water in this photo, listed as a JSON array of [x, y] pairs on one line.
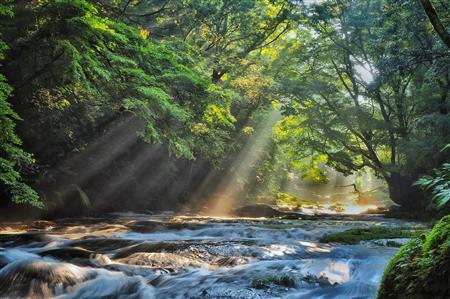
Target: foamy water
[[143, 256]]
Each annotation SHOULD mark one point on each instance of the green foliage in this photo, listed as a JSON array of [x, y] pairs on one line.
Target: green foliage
[[421, 268], [225, 33], [356, 235], [12, 158], [357, 92], [287, 133], [438, 185], [228, 31], [266, 281], [359, 85], [75, 70], [96, 68], [290, 200]]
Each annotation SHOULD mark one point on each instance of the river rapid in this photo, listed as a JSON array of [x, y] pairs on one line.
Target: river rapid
[[165, 256]]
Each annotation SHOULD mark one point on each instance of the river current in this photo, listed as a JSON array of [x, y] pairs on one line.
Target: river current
[[165, 256]]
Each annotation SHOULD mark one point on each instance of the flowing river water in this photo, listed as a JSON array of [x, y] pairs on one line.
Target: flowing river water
[[164, 256]]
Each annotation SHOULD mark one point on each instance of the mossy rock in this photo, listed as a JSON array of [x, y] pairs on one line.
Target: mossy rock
[[356, 235], [421, 269]]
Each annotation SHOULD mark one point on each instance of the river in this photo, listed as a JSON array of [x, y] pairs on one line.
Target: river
[[166, 256]]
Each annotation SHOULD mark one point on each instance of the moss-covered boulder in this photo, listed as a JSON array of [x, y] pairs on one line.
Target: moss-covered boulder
[[421, 269]]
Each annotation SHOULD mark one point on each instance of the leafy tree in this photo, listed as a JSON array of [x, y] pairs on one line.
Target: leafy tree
[[12, 158], [75, 71], [436, 22], [79, 70], [358, 85], [224, 31], [227, 30]]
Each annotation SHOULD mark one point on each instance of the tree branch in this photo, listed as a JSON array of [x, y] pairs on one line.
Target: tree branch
[[436, 22]]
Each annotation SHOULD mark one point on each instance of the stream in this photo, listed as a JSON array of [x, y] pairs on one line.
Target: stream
[[165, 256]]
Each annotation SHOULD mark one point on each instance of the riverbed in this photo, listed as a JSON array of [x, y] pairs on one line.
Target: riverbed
[[167, 256]]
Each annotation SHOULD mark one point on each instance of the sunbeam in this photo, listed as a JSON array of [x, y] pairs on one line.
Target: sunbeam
[[230, 188]]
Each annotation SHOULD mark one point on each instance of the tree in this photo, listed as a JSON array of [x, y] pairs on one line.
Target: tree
[[357, 89], [224, 31], [12, 158], [79, 70], [75, 72]]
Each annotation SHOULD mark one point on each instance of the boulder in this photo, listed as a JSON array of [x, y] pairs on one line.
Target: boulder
[[421, 269]]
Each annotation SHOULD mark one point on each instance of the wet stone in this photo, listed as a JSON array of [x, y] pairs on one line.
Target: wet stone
[[103, 244], [67, 253]]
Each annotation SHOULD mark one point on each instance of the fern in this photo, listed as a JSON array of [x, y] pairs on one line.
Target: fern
[[438, 185]]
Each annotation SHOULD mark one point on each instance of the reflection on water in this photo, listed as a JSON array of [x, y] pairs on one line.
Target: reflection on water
[[314, 247], [337, 272], [346, 208], [142, 256]]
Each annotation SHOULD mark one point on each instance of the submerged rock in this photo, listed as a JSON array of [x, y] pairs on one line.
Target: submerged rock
[[159, 260], [113, 286], [99, 260], [281, 280], [320, 280], [23, 238], [421, 269], [45, 278], [103, 244], [67, 253], [43, 224], [33, 278], [148, 246], [231, 261]]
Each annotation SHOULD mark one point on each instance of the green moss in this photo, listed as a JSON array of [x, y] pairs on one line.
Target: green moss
[[421, 269], [355, 235], [287, 199], [282, 280]]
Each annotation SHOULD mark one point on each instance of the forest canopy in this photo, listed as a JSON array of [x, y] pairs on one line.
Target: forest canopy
[[350, 85]]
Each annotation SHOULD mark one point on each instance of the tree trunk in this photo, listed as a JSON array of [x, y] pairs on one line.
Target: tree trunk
[[403, 193], [436, 22], [217, 75]]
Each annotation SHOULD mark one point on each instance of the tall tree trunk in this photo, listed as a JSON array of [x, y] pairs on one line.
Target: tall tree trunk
[[403, 193]]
